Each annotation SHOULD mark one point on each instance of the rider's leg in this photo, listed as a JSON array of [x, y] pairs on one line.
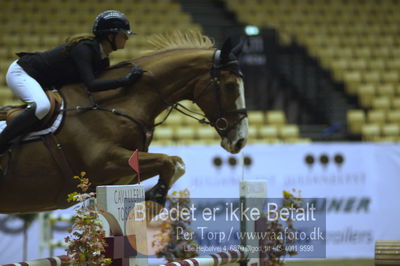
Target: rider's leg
[[18, 126], [28, 90]]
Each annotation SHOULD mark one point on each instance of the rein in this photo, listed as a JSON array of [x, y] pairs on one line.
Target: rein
[[146, 129]]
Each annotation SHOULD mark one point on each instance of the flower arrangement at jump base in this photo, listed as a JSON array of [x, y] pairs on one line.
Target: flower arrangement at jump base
[[86, 243], [169, 246], [279, 247]]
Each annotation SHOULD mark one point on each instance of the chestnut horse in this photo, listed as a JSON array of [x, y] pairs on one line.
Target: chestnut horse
[[101, 139]]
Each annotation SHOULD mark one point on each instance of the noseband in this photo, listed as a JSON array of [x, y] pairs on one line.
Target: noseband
[[221, 123]]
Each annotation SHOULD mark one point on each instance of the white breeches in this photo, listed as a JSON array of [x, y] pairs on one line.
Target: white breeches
[[27, 89]]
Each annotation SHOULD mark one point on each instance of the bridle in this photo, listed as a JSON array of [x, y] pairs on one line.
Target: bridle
[[221, 124]]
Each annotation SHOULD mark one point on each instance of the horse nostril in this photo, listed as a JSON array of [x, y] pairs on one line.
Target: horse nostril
[[239, 144]]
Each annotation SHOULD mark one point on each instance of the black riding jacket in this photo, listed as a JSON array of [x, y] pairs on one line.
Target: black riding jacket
[[82, 63]]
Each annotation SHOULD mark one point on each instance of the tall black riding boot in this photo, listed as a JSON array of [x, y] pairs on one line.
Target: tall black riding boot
[[18, 126]]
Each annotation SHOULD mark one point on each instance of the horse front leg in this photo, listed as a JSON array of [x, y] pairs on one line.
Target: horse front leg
[[168, 168]]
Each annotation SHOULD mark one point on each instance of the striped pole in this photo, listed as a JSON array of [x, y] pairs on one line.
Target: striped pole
[[221, 258], [53, 261]]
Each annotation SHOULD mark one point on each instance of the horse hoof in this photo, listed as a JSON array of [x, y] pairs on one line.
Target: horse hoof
[[179, 171], [158, 193]]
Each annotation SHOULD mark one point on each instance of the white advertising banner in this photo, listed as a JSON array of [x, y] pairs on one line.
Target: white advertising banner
[[360, 183]]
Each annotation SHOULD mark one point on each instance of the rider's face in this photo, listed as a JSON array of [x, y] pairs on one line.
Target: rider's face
[[120, 40]]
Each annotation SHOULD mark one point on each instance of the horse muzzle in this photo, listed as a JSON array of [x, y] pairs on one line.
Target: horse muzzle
[[236, 139]]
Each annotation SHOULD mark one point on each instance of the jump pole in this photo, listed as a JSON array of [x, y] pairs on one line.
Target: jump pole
[[53, 261]]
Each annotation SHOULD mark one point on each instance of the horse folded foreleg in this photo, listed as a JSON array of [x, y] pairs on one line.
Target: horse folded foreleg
[[168, 168]]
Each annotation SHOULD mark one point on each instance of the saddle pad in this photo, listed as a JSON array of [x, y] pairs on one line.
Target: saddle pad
[[36, 134]]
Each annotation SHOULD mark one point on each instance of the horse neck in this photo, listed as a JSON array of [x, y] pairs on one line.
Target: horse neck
[[176, 73]]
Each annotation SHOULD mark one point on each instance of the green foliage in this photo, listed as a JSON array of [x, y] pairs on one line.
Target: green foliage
[[86, 243]]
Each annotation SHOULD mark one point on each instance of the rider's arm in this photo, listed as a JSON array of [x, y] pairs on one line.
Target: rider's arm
[[83, 58]]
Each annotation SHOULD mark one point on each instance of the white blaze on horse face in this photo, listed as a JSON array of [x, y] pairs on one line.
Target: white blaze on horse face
[[237, 137]]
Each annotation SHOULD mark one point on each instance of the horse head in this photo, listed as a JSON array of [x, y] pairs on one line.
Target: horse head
[[223, 100]]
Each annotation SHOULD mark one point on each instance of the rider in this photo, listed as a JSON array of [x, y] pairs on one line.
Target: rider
[[79, 59]]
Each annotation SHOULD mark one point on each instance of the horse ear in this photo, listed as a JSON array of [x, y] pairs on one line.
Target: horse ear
[[226, 50], [237, 50]]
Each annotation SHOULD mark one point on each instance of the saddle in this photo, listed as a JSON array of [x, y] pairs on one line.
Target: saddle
[[8, 113]]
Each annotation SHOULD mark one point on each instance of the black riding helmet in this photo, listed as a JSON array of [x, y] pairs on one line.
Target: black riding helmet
[[111, 21]]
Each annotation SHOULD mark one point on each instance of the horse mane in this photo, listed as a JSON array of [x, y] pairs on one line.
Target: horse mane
[[180, 40], [190, 39]]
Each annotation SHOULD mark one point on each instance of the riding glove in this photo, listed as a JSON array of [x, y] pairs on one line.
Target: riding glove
[[135, 74]]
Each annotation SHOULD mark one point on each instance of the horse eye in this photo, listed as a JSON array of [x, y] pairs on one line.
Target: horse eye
[[231, 86]]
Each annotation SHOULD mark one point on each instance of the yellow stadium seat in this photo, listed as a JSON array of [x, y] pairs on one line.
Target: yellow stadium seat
[[366, 94], [376, 64], [376, 116], [256, 118], [175, 119], [163, 133], [352, 80], [253, 132], [358, 64], [396, 53], [387, 89], [396, 103], [31, 40], [184, 133], [390, 76], [363, 53], [391, 130], [345, 52], [370, 132], [191, 122], [206, 132], [340, 64], [11, 40], [372, 76], [355, 120], [394, 63], [51, 40], [289, 132], [4, 54], [381, 52], [275, 118], [393, 116], [268, 132], [381, 102], [3, 82], [5, 96], [163, 142]]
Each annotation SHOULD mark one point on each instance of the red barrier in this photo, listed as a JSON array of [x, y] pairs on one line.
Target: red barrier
[[54, 261], [220, 258]]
